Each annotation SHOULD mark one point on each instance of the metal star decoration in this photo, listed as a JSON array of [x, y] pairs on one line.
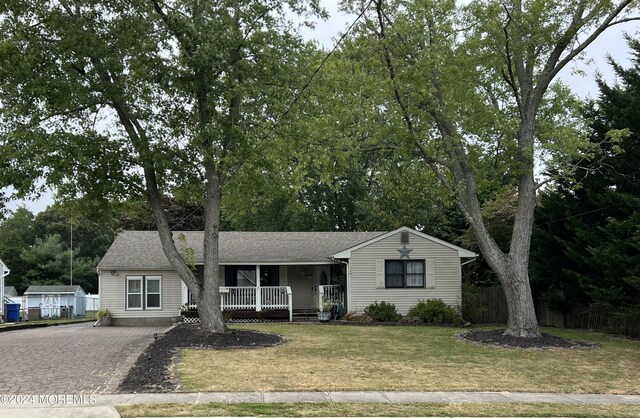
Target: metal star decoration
[[404, 252]]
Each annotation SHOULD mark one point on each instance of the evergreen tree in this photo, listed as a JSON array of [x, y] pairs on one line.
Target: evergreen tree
[[16, 232], [49, 262], [587, 240]]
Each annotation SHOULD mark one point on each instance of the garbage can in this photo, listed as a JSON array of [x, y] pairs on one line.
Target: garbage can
[[66, 311], [34, 314], [13, 312]]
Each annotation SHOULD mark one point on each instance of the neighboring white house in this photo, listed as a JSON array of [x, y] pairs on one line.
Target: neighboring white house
[[282, 271], [10, 292], [55, 301], [4, 272]]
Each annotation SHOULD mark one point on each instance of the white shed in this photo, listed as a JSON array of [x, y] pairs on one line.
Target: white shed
[[55, 301]]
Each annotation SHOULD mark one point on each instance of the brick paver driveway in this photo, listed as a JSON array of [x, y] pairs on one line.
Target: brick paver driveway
[[69, 359]]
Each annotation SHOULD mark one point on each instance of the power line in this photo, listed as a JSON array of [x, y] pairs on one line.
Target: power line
[[576, 215], [306, 85], [317, 70]]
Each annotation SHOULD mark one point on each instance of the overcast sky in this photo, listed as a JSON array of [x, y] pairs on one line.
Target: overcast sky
[[327, 32], [611, 42]]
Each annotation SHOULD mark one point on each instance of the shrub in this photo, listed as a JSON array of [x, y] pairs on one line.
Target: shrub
[[435, 311], [103, 313], [327, 305], [382, 312]]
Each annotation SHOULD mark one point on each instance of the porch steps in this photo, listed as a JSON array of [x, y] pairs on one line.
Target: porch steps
[[305, 315]]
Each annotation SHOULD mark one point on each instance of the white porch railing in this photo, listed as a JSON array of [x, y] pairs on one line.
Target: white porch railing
[[249, 298], [238, 297], [333, 293]]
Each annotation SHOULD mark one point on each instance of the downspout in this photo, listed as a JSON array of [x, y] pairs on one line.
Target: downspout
[[467, 262], [100, 294], [5, 273], [348, 289], [462, 264]]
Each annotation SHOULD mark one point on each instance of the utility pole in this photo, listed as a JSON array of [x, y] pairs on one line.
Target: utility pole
[[71, 257]]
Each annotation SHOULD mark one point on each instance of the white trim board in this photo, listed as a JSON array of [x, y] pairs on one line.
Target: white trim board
[[462, 253]]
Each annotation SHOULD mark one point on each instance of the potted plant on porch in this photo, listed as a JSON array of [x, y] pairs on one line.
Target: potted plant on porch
[[324, 315]]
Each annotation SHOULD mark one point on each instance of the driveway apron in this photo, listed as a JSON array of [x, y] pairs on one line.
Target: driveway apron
[[70, 359]]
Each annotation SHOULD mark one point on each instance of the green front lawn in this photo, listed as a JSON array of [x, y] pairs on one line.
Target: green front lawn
[[339, 358]]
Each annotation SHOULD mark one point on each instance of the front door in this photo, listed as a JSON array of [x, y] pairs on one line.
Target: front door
[[300, 278]]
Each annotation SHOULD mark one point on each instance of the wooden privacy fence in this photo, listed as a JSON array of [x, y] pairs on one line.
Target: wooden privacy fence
[[494, 307], [597, 317], [604, 318]]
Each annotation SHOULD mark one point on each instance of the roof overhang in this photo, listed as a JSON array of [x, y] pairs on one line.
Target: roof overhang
[[326, 261], [4, 270], [49, 293], [462, 253]]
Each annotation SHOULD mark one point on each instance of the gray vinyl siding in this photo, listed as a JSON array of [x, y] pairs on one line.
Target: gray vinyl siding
[[113, 294], [364, 288]]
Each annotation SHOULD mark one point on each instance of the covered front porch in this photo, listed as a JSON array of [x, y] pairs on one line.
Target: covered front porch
[[271, 291]]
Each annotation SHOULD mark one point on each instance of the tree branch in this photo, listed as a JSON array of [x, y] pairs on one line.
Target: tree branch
[[67, 112], [554, 65], [510, 77]]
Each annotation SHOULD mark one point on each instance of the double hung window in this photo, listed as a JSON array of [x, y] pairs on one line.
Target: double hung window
[[404, 273], [143, 292]]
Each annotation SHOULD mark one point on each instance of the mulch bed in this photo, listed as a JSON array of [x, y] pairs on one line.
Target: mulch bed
[[496, 337], [153, 370]]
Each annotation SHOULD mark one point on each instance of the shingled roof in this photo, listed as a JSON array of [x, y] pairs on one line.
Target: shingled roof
[[52, 289], [10, 291], [142, 249]]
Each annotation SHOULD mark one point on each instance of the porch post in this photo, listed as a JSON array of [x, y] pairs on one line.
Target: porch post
[[290, 303], [185, 294], [347, 287], [258, 292]]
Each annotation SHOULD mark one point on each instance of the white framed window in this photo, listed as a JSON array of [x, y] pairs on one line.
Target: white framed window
[[143, 292], [153, 292], [134, 292]]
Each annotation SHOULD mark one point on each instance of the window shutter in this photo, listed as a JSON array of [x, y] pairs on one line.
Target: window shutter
[[379, 274], [430, 276]]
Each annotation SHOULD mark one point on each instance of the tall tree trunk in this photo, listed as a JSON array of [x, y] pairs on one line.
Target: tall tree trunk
[[211, 313], [522, 315], [513, 274]]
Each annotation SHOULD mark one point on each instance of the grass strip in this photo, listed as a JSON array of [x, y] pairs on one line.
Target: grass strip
[[377, 409]]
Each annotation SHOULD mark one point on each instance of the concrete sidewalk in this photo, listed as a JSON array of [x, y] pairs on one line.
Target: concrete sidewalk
[[103, 405]]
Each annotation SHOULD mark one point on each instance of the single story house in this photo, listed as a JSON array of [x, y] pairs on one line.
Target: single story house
[[294, 271], [54, 301]]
